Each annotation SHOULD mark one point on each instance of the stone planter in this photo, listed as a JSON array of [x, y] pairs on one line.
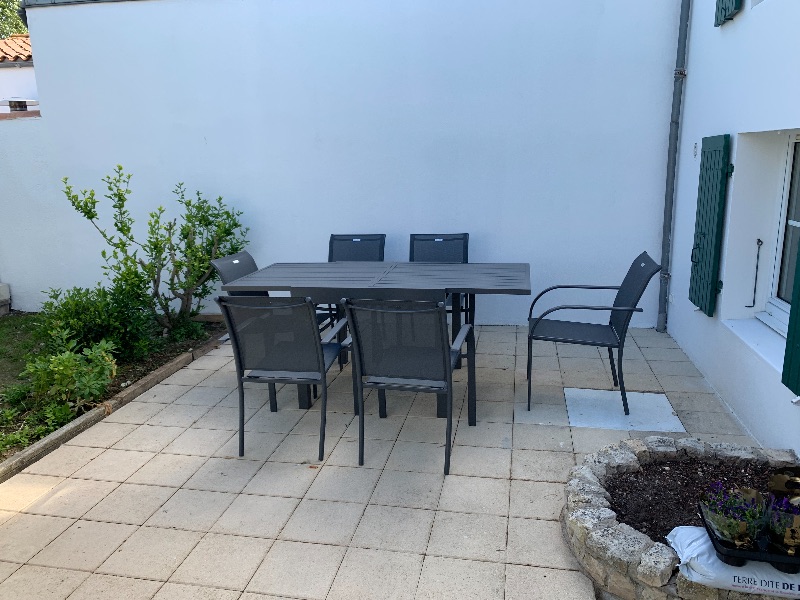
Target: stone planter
[[623, 563]]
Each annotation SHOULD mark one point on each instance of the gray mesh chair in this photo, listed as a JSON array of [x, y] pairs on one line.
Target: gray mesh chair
[[608, 336], [232, 267], [366, 247], [403, 345], [276, 340]]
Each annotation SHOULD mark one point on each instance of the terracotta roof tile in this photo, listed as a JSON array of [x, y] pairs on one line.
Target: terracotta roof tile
[[16, 48]]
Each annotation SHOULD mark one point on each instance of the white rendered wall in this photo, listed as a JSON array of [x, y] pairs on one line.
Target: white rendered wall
[[738, 83], [539, 128], [17, 82]]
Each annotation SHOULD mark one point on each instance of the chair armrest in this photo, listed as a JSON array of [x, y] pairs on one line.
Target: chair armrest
[[333, 332], [461, 337], [582, 307], [347, 342], [578, 287]]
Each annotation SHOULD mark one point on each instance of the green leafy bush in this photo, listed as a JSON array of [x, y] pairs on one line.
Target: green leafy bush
[[171, 269]]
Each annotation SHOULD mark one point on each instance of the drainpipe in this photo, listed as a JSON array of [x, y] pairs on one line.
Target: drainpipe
[[672, 154]]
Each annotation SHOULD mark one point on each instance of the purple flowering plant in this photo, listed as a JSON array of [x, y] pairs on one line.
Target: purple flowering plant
[[737, 516], [783, 514]]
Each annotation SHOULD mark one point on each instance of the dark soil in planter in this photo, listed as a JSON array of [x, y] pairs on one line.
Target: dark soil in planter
[[662, 496]]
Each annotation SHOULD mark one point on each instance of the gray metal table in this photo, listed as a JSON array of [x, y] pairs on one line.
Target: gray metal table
[[328, 283]]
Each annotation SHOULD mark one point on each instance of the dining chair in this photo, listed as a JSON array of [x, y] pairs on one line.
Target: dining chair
[[277, 340], [403, 345], [364, 247], [608, 336], [232, 267]]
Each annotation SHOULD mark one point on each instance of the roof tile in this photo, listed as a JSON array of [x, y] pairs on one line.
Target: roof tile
[[16, 48]]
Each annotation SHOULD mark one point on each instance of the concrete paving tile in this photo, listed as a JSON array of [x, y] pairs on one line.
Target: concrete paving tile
[[344, 484], [178, 415], [569, 364], [202, 396], [169, 470], [631, 365], [149, 438], [415, 456], [422, 429], [500, 377], [71, 498], [594, 380], [223, 379], [494, 361], [114, 465], [662, 354], [136, 413], [303, 449], [642, 382], [282, 421], [523, 583], [408, 489], [541, 465], [538, 347], [577, 351], [591, 440], [23, 489], [323, 522], [297, 570], [742, 440], [684, 401], [394, 528], [710, 422], [254, 397], [540, 394], [424, 405], [468, 536], [541, 414], [506, 348], [335, 424], [376, 575], [480, 462], [151, 553], [223, 475], [5, 515], [199, 442], [282, 479], [376, 453], [130, 503], [117, 588], [478, 495], [398, 404], [21, 537], [546, 378], [536, 499], [211, 362], [102, 435], [6, 569], [453, 579], [191, 509], [256, 516], [538, 543], [188, 377], [257, 446], [225, 561], [84, 546], [222, 417], [669, 367], [484, 434], [41, 583], [494, 392], [542, 437], [678, 383], [63, 461], [541, 363], [491, 412], [659, 340], [180, 591], [163, 393]]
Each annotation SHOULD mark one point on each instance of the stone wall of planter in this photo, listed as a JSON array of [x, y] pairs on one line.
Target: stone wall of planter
[[624, 563]]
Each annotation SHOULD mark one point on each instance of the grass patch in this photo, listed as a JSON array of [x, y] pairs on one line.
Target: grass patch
[[16, 331]]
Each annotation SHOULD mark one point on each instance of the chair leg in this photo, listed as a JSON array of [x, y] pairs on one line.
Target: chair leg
[[622, 382], [471, 391], [314, 391], [323, 409], [355, 392], [530, 358], [360, 400], [449, 431], [613, 368], [382, 403], [273, 398], [241, 418]]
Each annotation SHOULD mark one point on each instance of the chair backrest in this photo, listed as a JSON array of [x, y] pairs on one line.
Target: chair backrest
[[274, 334], [232, 267], [630, 292], [400, 339], [366, 247], [439, 247]]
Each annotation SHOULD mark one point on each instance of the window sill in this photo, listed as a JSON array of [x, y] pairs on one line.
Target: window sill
[[762, 339]]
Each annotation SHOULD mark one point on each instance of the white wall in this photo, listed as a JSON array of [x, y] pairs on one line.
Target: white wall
[[738, 83], [539, 128], [18, 82]]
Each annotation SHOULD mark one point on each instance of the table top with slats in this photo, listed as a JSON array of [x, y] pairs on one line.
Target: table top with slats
[[328, 282]]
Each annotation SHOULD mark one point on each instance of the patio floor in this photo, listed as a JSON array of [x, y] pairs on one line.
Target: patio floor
[[153, 503]]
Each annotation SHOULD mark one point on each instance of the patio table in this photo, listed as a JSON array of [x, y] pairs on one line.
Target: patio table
[[329, 282]]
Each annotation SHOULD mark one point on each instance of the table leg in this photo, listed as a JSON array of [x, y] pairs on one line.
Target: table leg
[[456, 324], [441, 406], [340, 337], [303, 396]]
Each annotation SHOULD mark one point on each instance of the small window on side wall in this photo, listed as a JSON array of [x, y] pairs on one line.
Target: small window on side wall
[[726, 10]]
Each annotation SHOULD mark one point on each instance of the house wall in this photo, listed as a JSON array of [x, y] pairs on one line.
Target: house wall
[[739, 83], [17, 82], [539, 128]]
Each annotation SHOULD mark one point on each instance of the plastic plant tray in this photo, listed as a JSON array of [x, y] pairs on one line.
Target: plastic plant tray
[[735, 557]]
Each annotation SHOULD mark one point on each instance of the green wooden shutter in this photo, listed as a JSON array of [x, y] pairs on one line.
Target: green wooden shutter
[[791, 358], [726, 10], [704, 284]]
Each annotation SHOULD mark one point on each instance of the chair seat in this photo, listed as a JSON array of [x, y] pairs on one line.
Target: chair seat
[[401, 383], [329, 354], [590, 334]]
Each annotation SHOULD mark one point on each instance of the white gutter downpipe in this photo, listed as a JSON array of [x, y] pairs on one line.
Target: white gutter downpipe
[[672, 154]]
